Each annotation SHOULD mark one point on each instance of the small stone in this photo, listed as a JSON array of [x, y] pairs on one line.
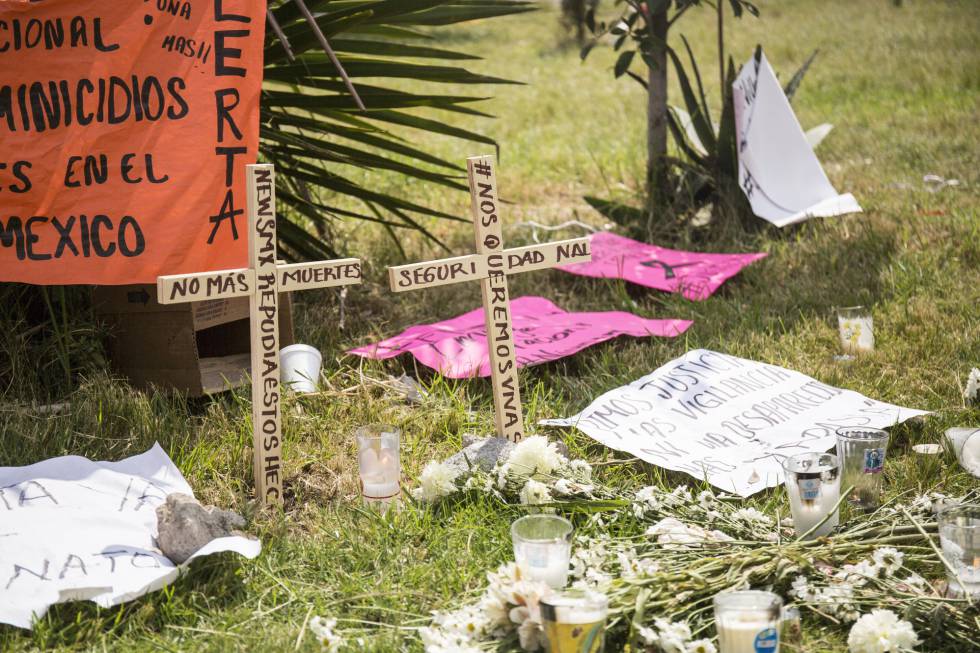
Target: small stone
[[481, 453], [410, 389], [184, 526]]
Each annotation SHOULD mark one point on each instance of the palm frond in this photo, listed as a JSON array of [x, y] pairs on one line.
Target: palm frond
[[313, 129]]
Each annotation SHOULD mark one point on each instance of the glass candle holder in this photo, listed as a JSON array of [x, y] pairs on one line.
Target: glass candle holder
[[813, 485], [542, 548], [959, 535], [856, 328], [574, 621], [791, 631], [748, 622], [379, 464], [862, 457]]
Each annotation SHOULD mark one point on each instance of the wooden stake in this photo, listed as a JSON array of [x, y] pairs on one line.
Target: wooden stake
[[262, 282], [491, 265]]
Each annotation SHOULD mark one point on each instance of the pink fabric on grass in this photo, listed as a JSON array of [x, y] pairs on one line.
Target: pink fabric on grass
[[693, 274], [542, 332]]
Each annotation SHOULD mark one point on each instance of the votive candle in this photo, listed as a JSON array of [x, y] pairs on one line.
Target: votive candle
[[543, 547], [813, 485], [856, 327], [379, 464], [748, 621]]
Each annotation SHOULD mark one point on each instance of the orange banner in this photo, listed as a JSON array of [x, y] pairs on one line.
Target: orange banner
[[125, 127]]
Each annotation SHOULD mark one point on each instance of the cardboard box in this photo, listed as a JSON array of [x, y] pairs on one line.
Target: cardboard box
[[198, 349]]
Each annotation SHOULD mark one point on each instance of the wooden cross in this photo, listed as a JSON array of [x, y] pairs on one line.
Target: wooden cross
[[491, 265], [261, 282]]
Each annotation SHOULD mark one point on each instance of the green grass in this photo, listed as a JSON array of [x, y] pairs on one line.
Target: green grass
[[901, 86]]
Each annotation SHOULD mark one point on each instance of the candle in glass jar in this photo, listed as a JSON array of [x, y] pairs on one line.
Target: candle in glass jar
[[813, 485], [379, 473], [379, 465], [856, 328], [543, 547], [547, 563], [747, 633], [747, 621]]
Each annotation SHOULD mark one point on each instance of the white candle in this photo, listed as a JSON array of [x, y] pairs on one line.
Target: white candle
[[856, 333], [811, 504], [747, 632], [379, 473], [552, 569]]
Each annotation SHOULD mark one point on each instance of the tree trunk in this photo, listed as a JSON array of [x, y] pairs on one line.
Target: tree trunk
[[657, 186]]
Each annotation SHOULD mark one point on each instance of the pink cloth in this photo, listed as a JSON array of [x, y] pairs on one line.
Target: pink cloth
[[542, 332], [697, 276]]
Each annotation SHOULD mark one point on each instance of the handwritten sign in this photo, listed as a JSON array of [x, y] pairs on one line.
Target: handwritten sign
[[777, 169], [728, 420], [123, 125], [695, 275], [108, 511], [261, 282], [543, 332], [490, 266]]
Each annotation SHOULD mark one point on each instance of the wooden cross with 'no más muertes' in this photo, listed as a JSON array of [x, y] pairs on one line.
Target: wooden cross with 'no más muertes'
[[491, 265], [262, 282]]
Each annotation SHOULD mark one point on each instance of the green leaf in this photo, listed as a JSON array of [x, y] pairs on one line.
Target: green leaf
[[727, 149], [389, 49], [794, 82], [699, 116], [312, 131], [680, 138], [623, 62]]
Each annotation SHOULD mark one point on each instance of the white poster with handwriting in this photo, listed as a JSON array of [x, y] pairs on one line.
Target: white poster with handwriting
[[75, 529], [726, 419], [777, 169]]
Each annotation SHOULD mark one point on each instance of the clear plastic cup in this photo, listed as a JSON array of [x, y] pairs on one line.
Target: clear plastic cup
[[748, 621], [959, 535], [813, 485], [543, 547], [862, 457]]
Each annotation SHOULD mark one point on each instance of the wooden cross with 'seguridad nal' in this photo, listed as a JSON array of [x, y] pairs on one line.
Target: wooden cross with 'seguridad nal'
[[491, 265]]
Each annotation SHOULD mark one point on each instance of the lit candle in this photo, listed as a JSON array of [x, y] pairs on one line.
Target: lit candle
[[747, 622], [543, 547], [813, 485], [380, 469]]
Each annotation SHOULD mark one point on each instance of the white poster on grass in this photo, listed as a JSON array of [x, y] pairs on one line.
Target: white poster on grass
[[74, 529], [726, 419], [777, 169]]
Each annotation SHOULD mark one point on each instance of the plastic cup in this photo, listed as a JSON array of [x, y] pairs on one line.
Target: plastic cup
[[300, 368], [966, 445], [543, 547], [813, 485], [862, 458], [748, 622], [574, 621], [959, 535]]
